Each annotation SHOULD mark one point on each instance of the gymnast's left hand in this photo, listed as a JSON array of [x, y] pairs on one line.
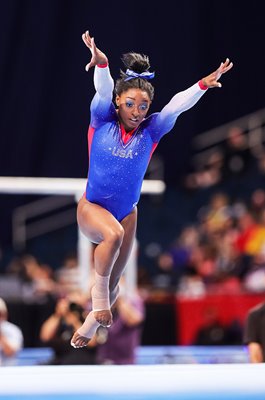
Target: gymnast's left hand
[[211, 81], [97, 56]]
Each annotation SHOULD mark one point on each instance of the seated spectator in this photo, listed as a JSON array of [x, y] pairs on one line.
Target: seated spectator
[[68, 275], [216, 215], [208, 174], [238, 158], [251, 235], [254, 333], [203, 262], [212, 332], [257, 203], [57, 330], [117, 344], [11, 338], [174, 262]]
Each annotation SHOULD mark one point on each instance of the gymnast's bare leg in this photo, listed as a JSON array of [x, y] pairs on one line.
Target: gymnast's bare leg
[[114, 244]]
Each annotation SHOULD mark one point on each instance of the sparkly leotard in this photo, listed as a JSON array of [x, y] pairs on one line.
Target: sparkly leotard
[[117, 168]]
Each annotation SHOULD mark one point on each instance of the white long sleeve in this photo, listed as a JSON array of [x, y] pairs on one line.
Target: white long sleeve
[[183, 101], [179, 103], [103, 82]]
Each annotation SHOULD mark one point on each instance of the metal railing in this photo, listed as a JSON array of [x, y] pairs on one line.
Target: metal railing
[[253, 126]]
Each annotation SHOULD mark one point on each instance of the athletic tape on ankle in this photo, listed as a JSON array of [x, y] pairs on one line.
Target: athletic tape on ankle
[[100, 293]]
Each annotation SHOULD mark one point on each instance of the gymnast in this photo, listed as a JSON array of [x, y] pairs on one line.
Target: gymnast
[[121, 141]]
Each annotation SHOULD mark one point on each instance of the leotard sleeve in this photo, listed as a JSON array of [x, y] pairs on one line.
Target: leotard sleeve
[[101, 104], [164, 121]]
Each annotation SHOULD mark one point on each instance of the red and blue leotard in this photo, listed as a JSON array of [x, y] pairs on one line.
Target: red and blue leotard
[[117, 168]]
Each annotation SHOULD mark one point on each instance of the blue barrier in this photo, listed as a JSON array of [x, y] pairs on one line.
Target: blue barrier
[[157, 355]]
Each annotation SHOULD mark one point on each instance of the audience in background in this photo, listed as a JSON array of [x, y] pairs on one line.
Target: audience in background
[[11, 338], [222, 251], [37, 279]]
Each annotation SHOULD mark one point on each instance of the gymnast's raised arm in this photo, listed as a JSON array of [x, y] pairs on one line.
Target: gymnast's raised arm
[[186, 99], [103, 81]]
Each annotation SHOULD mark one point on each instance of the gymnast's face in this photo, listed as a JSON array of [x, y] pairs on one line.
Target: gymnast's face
[[133, 106]]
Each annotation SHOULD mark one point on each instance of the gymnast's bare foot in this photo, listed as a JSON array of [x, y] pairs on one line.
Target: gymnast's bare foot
[[79, 341], [84, 334], [103, 317]]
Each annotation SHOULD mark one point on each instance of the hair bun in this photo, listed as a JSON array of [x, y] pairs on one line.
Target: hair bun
[[136, 62]]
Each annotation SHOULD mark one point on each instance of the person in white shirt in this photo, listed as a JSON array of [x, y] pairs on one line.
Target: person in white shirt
[[11, 338]]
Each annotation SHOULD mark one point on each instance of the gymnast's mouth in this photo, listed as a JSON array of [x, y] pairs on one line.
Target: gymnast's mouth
[[134, 120]]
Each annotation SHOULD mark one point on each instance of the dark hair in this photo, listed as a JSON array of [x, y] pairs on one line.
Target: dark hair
[[137, 63]]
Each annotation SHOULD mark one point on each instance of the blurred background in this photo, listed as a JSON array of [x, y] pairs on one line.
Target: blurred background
[[205, 235]]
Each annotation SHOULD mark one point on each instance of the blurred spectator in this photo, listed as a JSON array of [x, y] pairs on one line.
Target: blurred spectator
[[203, 261], [215, 333], [191, 286], [212, 332], [11, 338], [254, 333], [254, 279], [37, 278], [208, 174], [57, 330], [231, 265], [237, 156], [257, 203], [229, 163], [216, 216], [174, 262], [118, 344], [68, 276], [251, 235]]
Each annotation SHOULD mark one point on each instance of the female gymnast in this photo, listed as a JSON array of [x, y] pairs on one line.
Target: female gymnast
[[121, 142]]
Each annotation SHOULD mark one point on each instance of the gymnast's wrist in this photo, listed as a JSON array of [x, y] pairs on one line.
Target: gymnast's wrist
[[202, 85], [103, 65]]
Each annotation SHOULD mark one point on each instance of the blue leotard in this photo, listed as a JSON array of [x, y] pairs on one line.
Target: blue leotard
[[116, 169]]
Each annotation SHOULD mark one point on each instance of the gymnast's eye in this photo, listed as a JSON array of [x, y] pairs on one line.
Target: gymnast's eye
[[143, 106], [129, 104]]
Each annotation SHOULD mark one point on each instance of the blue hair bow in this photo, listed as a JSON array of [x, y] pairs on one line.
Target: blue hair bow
[[144, 75]]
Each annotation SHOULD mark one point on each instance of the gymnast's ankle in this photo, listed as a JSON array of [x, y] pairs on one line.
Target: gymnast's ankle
[[103, 317], [100, 293]]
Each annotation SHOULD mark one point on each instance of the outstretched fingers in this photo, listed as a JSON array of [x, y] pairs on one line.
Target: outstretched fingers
[[225, 66], [89, 42], [87, 39]]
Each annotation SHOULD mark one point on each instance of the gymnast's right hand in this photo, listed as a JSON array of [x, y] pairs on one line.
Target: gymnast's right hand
[[98, 57]]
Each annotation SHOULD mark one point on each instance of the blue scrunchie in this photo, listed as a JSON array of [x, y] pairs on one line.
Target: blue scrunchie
[[144, 75]]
